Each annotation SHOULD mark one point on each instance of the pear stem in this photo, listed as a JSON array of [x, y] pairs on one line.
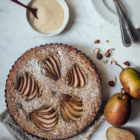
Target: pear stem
[[119, 66], [121, 94]]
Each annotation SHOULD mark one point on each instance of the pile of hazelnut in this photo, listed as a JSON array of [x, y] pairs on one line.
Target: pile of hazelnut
[[107, 55]]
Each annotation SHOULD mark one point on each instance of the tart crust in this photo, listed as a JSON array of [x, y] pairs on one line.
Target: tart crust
[[31, 62]]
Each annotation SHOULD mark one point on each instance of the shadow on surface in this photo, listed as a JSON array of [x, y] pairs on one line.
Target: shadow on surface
[[72, 16], [134, 131], [135, 109]]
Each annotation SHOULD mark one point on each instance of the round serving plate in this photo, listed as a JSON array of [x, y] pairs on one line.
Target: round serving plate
[[106, 11]]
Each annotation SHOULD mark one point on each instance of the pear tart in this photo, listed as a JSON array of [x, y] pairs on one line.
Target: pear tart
[[53, 92]]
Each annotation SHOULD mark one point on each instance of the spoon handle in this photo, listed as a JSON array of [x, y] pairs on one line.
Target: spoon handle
[[17, 2], [132, 31], [125, 36]]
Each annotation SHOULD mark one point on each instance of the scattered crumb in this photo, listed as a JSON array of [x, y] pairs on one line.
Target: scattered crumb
[[111, 62], [111, 50], [114, 79], [107, 41], [114, 62], [96, 50], [105, 61]]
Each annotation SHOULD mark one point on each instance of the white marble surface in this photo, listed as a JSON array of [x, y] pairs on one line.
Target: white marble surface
[[83, 29]]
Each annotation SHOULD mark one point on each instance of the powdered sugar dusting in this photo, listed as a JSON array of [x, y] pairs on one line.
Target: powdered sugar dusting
[[89, 94], [60, 53]]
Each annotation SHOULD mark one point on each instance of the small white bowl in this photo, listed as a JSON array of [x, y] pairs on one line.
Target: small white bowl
[[66, 19]]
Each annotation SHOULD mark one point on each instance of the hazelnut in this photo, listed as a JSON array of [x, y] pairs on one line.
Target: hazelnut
[[112, 83], [96, 41], [107, 54], [126, 63], [99, 56]]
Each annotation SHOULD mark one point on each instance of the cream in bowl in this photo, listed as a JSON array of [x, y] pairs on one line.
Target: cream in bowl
[[53, 16]]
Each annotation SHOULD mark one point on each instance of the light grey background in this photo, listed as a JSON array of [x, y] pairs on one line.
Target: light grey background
[[83, 29]]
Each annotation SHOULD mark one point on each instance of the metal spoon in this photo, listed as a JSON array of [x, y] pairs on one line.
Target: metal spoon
[[129, 33], [32, 10], [132, 31], [124, 32]]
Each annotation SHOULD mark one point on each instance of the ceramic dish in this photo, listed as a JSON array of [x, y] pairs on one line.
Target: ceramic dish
[[106, 11], [66, 19]]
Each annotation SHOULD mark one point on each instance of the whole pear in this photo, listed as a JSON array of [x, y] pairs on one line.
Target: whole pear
[[119, 134], [130, 80], [118, 109]]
